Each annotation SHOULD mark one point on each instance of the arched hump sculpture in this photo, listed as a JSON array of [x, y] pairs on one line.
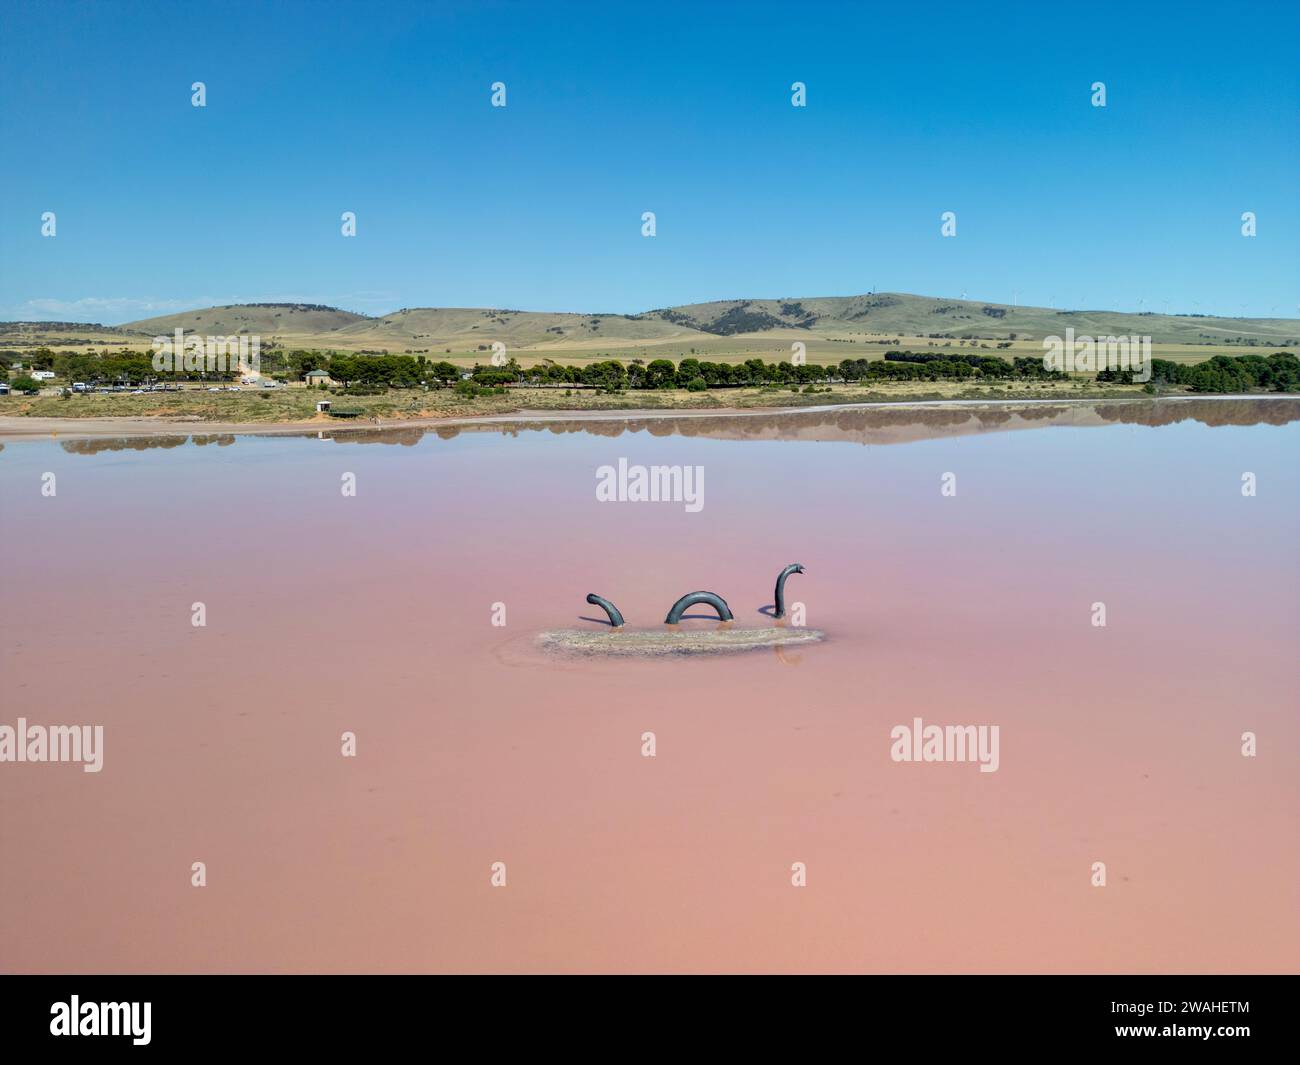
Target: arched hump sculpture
[[690, 599]]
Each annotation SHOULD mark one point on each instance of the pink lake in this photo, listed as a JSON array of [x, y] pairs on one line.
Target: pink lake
[[373, 614]]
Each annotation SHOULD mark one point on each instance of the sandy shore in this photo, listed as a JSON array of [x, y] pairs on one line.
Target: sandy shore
[[16, 429]]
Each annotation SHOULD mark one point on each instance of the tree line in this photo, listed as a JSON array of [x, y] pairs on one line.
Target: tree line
[[1279, 372]]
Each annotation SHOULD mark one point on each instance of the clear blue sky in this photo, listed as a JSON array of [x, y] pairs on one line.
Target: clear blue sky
[[684, 110]]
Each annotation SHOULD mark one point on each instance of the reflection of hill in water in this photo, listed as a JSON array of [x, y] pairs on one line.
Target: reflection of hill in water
[[1213, 412], [863, 425], [887, 425]]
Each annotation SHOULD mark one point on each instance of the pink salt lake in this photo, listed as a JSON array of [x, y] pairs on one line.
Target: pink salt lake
[[325, 614]]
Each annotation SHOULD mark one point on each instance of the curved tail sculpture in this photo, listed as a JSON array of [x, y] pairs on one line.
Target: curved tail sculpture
[[690, 599], [794, 567], [615, 618]]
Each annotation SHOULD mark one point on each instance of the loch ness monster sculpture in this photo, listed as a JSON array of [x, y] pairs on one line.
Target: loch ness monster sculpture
[[690, 599], [615, 618], [618, 641], [794, 567]]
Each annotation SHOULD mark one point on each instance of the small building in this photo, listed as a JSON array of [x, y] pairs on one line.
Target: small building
[[323, 406], [42, 375], [319, 377]]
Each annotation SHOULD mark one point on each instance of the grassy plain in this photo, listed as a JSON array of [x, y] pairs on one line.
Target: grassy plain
[[290, 405]]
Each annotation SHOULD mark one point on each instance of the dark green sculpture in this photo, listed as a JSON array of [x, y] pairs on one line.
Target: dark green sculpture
[[690, 599], [615, 618], [794, 567]]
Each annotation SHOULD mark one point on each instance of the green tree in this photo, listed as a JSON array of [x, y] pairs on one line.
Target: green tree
[[660, 374]]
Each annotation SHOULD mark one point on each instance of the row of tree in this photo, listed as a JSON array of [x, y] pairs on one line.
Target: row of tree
[[1279, 372]]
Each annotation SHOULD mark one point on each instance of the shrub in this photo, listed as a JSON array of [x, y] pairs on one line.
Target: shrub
[[696, 384]]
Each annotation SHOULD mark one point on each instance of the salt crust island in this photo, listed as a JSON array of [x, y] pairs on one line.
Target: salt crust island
[[672, 640]]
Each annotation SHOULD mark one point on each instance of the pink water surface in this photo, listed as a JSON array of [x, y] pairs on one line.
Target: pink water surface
[[373, 614]]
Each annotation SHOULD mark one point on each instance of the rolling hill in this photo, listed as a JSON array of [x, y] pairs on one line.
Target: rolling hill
[[263, 319], [925, 316], [878, 314], [831, 328], [460, 325]]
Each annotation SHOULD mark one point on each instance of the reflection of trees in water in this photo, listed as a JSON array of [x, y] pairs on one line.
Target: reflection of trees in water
[[121, 443], [796, 425], [408, 437], [1045, 411], [1211, 412]]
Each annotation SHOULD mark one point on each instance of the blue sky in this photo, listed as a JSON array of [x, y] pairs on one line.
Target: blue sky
[[612, 110]]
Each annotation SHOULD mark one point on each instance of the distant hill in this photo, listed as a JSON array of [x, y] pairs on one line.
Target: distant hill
[[460, 325], [263, 319], [826, 321], [894, 312]]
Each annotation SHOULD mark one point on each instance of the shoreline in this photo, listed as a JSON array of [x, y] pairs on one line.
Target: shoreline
[[17, 429]]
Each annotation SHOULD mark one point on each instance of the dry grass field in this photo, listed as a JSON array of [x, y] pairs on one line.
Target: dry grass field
[[299, 404], [830, 328]]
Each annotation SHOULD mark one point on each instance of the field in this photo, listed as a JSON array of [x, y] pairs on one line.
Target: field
[[299, 404], [830, 328], [827, 330]]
